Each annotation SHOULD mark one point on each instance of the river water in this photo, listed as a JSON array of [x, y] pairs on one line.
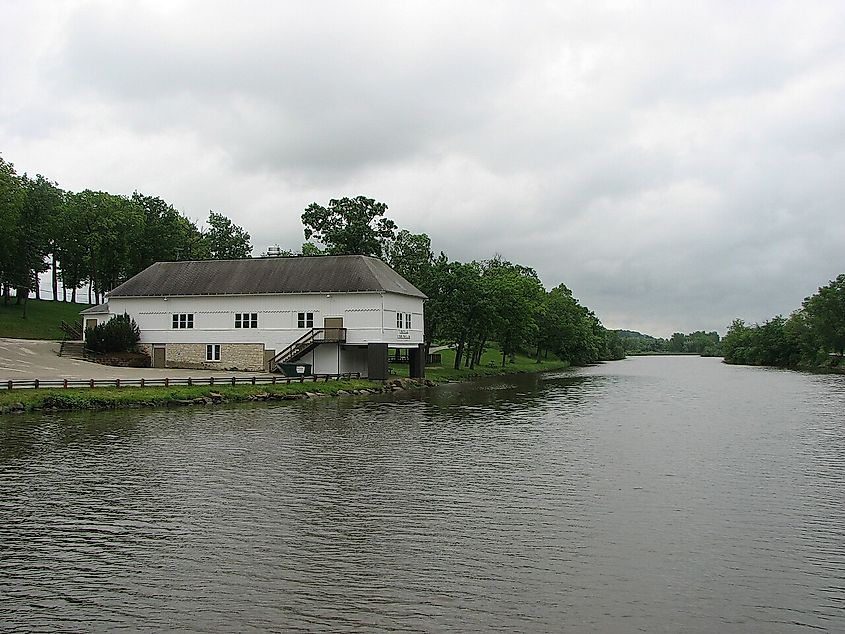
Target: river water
[[656, 494]]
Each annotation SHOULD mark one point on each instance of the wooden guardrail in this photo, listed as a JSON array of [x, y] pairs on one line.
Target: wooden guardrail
[[172, 382]]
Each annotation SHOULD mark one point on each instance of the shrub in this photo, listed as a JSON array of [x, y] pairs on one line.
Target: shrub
[[119, 334]]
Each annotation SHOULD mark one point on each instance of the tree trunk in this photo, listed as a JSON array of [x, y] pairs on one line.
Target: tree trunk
[[55, 276], [458, 354], [24, 305], [539, 351], [6, 294], [480, 351], [73, 295], [37, 287], [89, 293]]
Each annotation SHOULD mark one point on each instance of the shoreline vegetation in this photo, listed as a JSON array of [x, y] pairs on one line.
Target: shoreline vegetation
[[109, 398], [811, 339]]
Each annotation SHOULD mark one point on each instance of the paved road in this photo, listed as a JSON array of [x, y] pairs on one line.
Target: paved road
[[28, 359]]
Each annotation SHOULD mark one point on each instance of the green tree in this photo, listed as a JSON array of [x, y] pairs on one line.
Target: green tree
[[118, 334], [515, 295], [311, 249], [12, 200], [104, 229], [225, 240], [70, 244], [438, 285], [615, 350], [462, 303], [36, 232], [165, 235], [677, 342], [825, 312], [410, 255], [349, 226], [736, 345]]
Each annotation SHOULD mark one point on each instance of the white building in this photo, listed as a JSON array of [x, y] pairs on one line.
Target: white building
[[337, 313]]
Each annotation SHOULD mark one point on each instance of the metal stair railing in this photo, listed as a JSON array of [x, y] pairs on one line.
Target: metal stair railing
[[72, 330], [307, 342]]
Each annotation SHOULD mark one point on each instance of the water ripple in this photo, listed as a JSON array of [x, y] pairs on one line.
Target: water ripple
[[653, 494]]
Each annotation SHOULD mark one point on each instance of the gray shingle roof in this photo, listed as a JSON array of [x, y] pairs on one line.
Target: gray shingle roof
[[267, 276], [99, 309]]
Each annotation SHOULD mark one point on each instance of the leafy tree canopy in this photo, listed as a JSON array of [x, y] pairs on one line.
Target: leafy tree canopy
[[224, 240], [349, 226]]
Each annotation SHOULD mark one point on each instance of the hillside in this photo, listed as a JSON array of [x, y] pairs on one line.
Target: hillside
[[42, 318]]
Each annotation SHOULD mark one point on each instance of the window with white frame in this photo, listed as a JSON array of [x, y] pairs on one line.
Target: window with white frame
[[407, 321], [305, 320], [403, 321], [183, 320], [246, 320], [212, 352]]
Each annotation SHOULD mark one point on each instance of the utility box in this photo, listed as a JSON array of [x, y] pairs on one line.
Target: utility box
[[296, 369]]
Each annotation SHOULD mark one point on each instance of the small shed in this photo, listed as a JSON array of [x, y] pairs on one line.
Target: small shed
[[94, 316]]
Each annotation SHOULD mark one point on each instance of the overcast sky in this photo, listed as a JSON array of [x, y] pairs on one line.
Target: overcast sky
[[675, 164]]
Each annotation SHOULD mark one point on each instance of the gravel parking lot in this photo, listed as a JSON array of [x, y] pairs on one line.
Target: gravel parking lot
[[29, 359]]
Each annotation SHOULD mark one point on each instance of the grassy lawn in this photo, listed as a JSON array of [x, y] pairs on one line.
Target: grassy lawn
[[111, 397], [491, 365], [42, 318]]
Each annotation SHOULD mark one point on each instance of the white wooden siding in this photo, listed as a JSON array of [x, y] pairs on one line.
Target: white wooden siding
[[368, 318]]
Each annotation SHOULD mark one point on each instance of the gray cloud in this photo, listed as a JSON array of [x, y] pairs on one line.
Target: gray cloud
[[676, 165]]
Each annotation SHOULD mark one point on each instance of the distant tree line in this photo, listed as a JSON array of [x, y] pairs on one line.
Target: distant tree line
[[813, 336], [96, 238], [706, 344], [470, 304]]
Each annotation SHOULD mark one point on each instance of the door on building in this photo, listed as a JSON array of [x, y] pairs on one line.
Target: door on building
[[334, 328], [90, 323], [158, 357], [268, 358]]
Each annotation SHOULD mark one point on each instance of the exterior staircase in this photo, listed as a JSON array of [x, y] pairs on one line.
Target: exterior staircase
[[306, 343], [72, 350], [74, 331]]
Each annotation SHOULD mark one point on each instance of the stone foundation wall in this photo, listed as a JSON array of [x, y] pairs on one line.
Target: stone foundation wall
[[125, 360], [233, 356]]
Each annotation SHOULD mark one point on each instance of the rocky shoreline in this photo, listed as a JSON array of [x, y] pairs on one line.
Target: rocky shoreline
[[54, 400]]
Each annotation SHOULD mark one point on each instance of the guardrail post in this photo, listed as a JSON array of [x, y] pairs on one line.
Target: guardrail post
[[274, 380], [253, 380], [117, 382], [167, 381], [91, 383], [35, 384], [10, 384], [190, 382], [233, 380], [142, 381], [64, 385], [211, 380]]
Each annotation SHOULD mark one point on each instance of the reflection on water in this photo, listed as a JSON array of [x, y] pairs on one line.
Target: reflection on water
[[654, 494]]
